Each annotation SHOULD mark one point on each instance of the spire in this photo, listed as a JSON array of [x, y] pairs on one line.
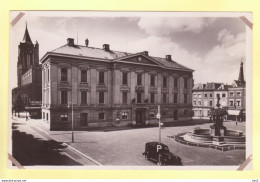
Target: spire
[[26, 37], [241, 73]]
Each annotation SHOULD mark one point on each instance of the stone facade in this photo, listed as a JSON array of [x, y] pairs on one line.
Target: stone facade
[[111, 88]]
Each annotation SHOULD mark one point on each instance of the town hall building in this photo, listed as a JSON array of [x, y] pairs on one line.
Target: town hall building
[[103, 87]]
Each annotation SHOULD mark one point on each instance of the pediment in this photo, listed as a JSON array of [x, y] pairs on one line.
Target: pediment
[[139, 58]]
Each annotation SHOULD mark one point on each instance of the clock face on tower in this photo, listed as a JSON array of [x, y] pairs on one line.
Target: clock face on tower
[[28, 51]]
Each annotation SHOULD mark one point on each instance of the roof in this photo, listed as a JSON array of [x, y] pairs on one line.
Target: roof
[[211, 86], [26, 37], [84, 51]]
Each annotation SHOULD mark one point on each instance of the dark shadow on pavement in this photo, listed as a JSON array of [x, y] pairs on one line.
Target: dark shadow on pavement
[[29, 151]]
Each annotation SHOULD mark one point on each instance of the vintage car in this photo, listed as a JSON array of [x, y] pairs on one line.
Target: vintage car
[[159, 153]]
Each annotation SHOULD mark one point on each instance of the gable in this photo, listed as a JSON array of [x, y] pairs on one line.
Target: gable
[[141, 59]]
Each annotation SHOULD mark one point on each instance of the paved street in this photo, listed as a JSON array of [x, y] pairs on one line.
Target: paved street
[[122, 147]]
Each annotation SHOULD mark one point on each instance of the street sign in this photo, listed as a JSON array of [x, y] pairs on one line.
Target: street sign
[[158, 116]]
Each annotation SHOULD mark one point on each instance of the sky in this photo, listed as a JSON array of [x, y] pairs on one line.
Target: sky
[[211, 45]]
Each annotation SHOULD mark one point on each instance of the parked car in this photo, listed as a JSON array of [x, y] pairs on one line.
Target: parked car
[[159, 153]]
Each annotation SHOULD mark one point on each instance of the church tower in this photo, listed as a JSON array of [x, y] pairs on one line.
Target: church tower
[[28, 55], [241, 74]]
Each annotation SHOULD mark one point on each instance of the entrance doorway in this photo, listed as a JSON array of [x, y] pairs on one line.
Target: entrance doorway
[[84, 119], [140, 115], [175, 117]]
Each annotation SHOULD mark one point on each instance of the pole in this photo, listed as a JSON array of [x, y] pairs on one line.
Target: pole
[[159, 123], [72, 133]]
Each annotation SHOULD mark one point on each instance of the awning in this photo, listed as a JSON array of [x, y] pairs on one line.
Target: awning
[[233, 112]]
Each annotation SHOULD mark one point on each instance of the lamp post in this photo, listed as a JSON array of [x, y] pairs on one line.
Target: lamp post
[[159, 118], [72, 123]]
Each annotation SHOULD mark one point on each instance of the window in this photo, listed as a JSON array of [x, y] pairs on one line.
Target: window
[[47, 117], [218, 95], [48, 75], [64, 97], [139, 97], [231, 103], [101, 115], [185, 98], [43, 115], [152, 80], [152, 98], [194, 102], [124, 97], [139, 79], [152, 114], [199, 103], [64, 74], [164, 96], [83, 97], [101, 77], [124, 115], [210, 103], [64, 118], [205, 95], [223, 95], [199, 96], [175, 98], [124, 80], [175, 82], [238, 94], [185, 112], [238, 102], [101, 98], [185, 82], [210, 95], [194, 95], [83, 76], [164, 81], [231, 94], [164, 113]]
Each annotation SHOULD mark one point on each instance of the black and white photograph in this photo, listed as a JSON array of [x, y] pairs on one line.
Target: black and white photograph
[[130, 90]]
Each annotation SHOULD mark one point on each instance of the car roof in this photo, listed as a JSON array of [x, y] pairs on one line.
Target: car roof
[[155, 143]]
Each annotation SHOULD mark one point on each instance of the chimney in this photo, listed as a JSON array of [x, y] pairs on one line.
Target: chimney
[[146, 53], [70, 41], [168, 57], [86, 42], [106, 47]]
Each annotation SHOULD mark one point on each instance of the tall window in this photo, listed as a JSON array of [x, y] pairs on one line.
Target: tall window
[[223, 95], [205, 95], [83, 97], [124, 78], [139, 97], [185, 98], [101, 98], [124, 97], [185, 82], [83, 75], [175, 82], [139, 79], [175, 98], [152, 98], [164, 81], [152, 80], [238, 102], [210, 103], [64, 97], [231, 102], [164, 98], [48, 75], [64, 74], [101, 77]]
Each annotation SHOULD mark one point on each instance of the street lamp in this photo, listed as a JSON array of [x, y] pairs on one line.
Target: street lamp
[[158, 116], [72, 134]]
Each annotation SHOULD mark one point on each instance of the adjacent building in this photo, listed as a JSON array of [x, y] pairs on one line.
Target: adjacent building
[[112, 88], [29, 78], [232, 97]]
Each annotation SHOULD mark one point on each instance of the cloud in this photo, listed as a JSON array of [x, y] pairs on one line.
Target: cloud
[[167, 25]]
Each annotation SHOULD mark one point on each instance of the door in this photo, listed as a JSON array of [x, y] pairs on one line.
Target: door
[[139, 116], [175, 117], [84, 119]]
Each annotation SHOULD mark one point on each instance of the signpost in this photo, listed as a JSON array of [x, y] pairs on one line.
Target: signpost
[[72, 127], [158, 116]]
